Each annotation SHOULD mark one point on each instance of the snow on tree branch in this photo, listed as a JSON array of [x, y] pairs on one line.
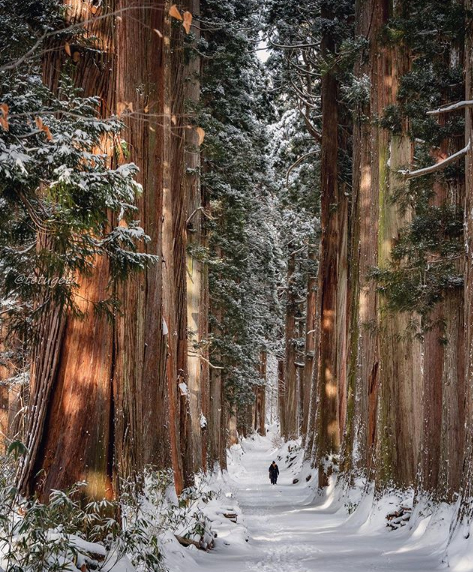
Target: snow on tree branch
[[293, 46], [451, 107], [438, 166]]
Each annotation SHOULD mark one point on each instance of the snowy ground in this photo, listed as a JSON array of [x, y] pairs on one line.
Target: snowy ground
[[283, 529]]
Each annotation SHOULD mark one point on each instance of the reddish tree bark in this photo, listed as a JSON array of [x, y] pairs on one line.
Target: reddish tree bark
[[195, 266], [259, 424], [363, 358], [327, 428], [70, 391], [465, 507], [400, 395], [109, 382], [140, 394], [310, 341], [290, 405]]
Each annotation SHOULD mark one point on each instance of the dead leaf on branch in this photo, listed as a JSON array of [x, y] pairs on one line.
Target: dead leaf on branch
[[156, 31], [67, 49], [4, 117], [40, 125], [174, 12], [201, 134], [187, 22], [123, 106], [48, 133]]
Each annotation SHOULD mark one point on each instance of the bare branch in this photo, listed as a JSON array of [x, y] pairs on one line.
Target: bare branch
[[310, 126], [305, 72], [438, 166], [302, 96], [298, 162], [451, 107], [292, 47], [200, 356]]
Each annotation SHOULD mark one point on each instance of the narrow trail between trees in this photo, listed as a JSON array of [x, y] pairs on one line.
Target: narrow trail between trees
[[291, 532]]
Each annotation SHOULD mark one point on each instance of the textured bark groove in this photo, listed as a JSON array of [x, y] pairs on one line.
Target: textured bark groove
[[109, 381], [289, 420], [62, 387], [195, 267], [328, 420]]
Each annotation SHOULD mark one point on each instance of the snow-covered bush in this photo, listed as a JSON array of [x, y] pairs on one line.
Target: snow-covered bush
[[63, 534], [68, 533]]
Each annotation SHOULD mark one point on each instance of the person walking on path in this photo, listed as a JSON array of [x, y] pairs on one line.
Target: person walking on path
[[273, 473]]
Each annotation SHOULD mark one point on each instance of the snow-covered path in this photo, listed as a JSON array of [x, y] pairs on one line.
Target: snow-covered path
[[289, 533]]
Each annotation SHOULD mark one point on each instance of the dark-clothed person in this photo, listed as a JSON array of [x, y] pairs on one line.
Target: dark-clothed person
[[273, 473]]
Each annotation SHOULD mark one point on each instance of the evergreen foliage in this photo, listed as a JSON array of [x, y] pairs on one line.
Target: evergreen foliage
[[424, 261], [297, 66], [425, 258], [243, 249], [60, 199]]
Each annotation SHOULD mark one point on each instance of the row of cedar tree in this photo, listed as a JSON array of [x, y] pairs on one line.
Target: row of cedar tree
[[384, 388], [148, 362], [108, 398]]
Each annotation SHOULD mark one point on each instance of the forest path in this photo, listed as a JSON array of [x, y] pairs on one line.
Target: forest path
[[289, 533]]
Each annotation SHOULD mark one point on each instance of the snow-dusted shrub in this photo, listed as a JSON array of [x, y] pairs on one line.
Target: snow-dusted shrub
[[69, 534], [149, 508], [59, 535], [194, 523]]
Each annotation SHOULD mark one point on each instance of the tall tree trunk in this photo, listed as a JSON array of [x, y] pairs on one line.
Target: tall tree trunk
[[311, 439], [310, 337], [290, 424], [465, 507], [444, 374], [140, 394], [260, 397], [363, 360], [204, 349], [70, 419], [170, 295], [195, 266], [109, 381], [400, 394], [281, 398], [342, 290], [328, 431], [180, 124], [217, 422]]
